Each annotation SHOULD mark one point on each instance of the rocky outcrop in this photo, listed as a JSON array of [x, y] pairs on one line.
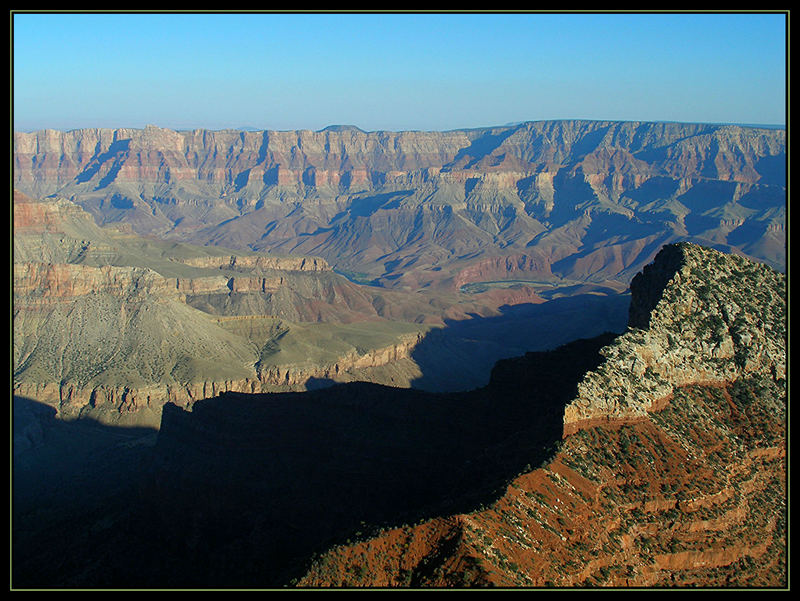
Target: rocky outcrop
[[63, 282], [697, 316], [31, 216], [250, 263], [54, 282], [296, 377], [672, 469]]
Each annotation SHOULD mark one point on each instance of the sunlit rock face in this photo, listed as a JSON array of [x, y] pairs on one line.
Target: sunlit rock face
[[581, 199], [697, 316]]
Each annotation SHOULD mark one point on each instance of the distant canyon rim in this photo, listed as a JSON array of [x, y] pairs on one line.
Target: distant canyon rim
[[573, 198]]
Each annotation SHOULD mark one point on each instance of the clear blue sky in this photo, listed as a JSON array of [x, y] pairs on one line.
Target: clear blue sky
[[394, 71]]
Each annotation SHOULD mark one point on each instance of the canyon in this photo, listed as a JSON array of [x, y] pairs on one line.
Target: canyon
[[111, 325], [402, 232], [594, 464], [548, 354]]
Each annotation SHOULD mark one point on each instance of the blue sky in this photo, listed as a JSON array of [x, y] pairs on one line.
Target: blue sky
[[394, 71]]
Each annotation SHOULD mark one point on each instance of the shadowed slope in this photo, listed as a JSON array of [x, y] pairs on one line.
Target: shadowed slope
[[683, 488], [672, 471], [286, 475]]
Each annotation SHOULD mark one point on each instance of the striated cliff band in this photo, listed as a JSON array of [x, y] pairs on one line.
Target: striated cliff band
[[111, 325], [655, 458], [574, 200]]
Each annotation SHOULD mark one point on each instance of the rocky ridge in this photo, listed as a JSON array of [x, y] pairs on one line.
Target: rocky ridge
[[701, 330], [666, 479]]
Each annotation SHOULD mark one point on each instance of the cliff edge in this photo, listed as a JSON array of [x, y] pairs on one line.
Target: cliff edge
[[672, 467], [697, 316]]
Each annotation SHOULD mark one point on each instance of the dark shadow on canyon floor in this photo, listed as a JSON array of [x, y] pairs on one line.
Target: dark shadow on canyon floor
[[243, 490], [460, 356], [74, 487]]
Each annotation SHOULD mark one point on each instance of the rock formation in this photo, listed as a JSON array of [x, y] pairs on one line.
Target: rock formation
[[111, 325], [672, 471], [696, 331], [585, 199]]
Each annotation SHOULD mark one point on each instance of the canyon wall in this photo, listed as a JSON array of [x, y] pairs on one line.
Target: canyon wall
[[583, 199], [46, 161]]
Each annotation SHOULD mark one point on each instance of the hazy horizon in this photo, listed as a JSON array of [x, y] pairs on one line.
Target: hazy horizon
[[394, 72], [255, 129]]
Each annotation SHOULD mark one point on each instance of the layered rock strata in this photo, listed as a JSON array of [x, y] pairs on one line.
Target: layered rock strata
[[79, 328], [111, 325], [50, 159], [582, 199], [143, 403], [672, 470]]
